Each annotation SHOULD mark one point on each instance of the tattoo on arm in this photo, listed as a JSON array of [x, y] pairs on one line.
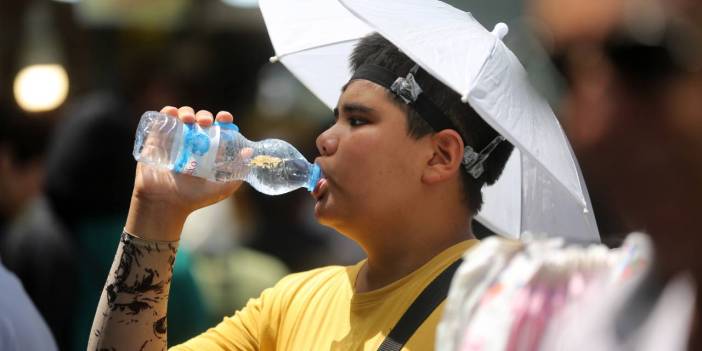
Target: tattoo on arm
[[131, 314]]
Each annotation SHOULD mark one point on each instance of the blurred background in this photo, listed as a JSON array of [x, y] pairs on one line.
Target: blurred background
[[75, 76]]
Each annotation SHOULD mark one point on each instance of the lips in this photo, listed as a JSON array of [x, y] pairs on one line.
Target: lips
[[320, 189]]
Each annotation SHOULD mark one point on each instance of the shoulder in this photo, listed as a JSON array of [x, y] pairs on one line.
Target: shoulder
[[313, 277], [27, 337], [304, 286], [20, 323]]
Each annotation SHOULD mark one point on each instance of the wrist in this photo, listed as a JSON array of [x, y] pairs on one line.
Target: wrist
[[154, 220]]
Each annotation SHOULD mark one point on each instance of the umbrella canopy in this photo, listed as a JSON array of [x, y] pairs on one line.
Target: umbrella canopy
[[541, 190]]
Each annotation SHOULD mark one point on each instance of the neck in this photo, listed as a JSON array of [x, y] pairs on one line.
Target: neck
[[402, 250]]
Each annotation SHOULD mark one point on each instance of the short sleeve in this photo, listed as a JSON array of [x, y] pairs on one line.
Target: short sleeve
[[251, 328], [259, 325]]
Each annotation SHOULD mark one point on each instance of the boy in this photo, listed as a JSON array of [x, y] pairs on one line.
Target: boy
[[397, 181]]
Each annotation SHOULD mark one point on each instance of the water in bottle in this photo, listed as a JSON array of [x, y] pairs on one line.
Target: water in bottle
[[221, 153]]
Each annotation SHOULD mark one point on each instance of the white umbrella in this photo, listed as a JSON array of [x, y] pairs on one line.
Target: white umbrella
[[541, 190]]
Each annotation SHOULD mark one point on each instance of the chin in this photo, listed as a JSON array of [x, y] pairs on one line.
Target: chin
[[321, 213], [328, 218], [323, 216]]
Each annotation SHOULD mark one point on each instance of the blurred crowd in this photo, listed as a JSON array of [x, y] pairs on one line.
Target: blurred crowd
[[66, 174], [631, 102]]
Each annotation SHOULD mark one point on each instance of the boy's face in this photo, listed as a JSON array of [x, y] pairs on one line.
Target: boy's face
[[372, 166]]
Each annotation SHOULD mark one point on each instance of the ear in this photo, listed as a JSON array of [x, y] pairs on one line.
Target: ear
[[446, 158]]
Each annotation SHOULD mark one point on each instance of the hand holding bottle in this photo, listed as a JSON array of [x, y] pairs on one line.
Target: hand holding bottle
[[271, 166], [162, 199]]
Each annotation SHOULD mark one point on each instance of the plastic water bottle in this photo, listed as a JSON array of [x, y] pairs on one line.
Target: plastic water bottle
[[220, 153]]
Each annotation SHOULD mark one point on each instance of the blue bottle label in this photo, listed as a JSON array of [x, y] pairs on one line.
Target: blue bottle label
[[197, 155]]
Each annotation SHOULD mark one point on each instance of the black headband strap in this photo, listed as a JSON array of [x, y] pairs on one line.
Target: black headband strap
[[407, 89]]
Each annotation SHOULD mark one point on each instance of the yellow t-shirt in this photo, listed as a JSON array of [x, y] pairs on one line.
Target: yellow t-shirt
[[319, 310]]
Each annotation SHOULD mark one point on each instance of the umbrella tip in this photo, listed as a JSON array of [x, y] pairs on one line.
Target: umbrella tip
[[500, 30], [464, 98], [273, 59]]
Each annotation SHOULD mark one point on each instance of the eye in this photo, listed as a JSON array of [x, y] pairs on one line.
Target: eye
[[357, 122]]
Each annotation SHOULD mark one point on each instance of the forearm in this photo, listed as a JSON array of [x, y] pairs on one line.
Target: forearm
[[131, 314], [155, 220]]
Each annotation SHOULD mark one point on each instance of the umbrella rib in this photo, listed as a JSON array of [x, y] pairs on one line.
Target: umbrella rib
[[279, 56]]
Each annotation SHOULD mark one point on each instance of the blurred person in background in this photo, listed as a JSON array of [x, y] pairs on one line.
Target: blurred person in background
[[58, 247], [633, 109], [145, 67], [632, 106], [23, 141]]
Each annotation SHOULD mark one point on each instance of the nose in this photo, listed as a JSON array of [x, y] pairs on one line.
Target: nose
[[327, 143]]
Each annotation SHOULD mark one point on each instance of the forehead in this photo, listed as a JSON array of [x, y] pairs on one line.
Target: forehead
[[363, 96], [361, 90]]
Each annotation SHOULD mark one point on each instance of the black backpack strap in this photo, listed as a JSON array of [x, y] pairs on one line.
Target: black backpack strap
[[420, 309]]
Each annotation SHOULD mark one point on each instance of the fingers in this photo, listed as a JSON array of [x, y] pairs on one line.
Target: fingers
[[224, 117], [246, 153], [170, 110], [203, 117], [186, 114]]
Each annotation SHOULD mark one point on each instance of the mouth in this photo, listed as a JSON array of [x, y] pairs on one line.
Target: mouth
[[320, 189]]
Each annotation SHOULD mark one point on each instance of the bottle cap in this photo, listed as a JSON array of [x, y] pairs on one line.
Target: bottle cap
[[315, 175]]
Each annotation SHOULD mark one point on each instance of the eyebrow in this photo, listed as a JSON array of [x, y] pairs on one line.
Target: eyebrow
[[353, 107]]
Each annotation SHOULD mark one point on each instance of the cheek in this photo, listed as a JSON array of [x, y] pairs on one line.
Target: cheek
[[381, 164], [360, 159], [355, 160]]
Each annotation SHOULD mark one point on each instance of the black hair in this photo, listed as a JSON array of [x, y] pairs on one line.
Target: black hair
[[26, 136], [375, 49], [90, 165]]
